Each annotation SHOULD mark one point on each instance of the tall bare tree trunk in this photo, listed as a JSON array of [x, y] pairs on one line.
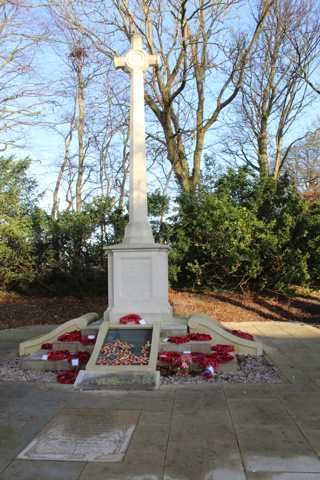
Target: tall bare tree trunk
[[262, 140], [66, 161], [80, 131], [278, 157]]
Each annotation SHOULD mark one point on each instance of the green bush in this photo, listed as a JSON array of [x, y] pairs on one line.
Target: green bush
[[235, 232], [17, 199], [71, 249], [246, 234], [312, 242]]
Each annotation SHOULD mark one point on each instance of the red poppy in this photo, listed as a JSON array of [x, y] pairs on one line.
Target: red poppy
[[195, 337], [59, 355], [74, 336], [221, 348], [46, 346], [68, 377], [198, 357], [200, 337], [82, 356], [225, 357], [179, 340], [241, 334], [85, 340], [131, 318], [172, 358]]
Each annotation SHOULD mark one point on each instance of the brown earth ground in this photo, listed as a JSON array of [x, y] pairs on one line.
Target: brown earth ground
[[17, 310]]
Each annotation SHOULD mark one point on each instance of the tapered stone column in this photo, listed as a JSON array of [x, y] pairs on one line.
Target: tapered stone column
[[138, 230]]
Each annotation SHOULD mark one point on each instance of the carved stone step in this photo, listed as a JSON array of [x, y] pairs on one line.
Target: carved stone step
[[193, 346], [72, 347], [35, 362], [92, 328], [175, 328]]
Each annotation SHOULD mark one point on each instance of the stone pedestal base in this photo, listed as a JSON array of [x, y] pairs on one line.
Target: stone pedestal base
[[138, 282]]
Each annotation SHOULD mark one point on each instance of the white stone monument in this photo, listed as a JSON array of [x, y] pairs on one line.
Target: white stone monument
[[138, 268]]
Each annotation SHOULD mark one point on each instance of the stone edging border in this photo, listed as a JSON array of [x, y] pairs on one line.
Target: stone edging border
[[34, 344]]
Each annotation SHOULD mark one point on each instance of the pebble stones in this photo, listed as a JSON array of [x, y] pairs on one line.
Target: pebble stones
[[119, 352], [10, 370]]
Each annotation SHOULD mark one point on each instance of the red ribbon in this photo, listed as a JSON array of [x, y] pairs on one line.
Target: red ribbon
[[131, 318]]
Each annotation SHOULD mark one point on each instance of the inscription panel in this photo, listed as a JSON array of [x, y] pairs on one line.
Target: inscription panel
[[135, 278]]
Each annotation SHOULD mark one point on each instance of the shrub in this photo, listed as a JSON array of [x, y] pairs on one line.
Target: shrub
[[244, 234]]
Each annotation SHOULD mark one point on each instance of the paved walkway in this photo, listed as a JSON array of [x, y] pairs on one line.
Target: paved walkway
[[231, 432]]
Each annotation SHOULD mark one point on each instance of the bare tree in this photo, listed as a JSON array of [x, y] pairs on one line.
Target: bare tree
[[21, 96], [108, 131], [202, 64], [82, 68], [78, 57], [274, 93], [303, 163], [305, 41], [66, 164]]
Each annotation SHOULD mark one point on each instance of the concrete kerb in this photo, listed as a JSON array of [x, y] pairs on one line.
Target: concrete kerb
[[34, 345], [123, 376], [152, 364], [205, 324]]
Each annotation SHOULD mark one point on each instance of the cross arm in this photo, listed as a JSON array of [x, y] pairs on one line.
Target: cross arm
[[119, 62], [154, 60]]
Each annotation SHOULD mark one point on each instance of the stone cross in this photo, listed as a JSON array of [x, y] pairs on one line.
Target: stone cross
[[135, 62]]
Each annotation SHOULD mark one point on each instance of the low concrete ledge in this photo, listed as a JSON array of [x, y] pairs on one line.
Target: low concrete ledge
[[205, 324], [34, 345]]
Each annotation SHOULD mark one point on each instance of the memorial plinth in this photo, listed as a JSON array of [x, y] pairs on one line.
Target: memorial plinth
[[138, 282]]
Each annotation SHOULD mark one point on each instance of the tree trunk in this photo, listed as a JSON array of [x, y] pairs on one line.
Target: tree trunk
[[278, 158], [263, 157], [81, 152], [67, 142]]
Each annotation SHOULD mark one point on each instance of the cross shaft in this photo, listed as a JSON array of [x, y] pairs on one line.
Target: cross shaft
[[135, 62]]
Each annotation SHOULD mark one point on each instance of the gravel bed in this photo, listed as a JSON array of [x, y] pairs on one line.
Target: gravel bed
[[10, 370], [252, 370]]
